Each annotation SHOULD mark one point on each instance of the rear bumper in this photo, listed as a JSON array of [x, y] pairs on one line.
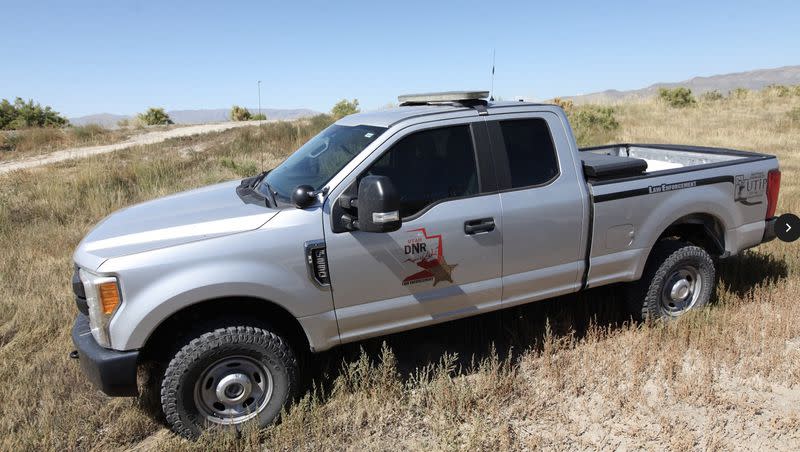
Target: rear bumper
[[769, 229], [111, 371]]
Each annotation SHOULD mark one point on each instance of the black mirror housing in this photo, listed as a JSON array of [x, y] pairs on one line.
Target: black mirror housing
[[378, 205], [303, 196]]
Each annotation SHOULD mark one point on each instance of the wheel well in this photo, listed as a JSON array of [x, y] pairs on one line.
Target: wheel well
[[178, 329], [699, 229]]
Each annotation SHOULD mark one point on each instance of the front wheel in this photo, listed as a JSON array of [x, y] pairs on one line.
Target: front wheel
[[678, 277], [227, 377]]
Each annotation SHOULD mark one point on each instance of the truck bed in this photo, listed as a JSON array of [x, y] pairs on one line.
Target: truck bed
[[621, 161], [638, 191]]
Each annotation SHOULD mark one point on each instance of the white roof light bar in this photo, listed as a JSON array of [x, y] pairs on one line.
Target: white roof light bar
[[445, 96]]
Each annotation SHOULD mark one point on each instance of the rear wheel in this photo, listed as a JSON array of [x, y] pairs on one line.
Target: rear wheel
[[227, 377], [678, 277]]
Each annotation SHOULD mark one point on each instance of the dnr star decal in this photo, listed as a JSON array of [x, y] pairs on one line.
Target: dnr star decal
[[426, 252]]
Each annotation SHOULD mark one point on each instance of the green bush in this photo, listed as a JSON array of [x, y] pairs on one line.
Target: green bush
[[7, 114], [21, 115], [593, 124], [711, 96], [320, 121], [258, 117], [739, 93], [344, 107], [677, 97], [88, 132], [154, 117], [565, 104], [240, 114], [6, 142], [777, 90]]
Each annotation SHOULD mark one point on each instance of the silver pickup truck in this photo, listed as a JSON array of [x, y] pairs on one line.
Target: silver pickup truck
[[445, 207]]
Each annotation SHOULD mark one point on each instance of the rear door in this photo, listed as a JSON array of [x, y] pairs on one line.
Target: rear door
[[543, 206], [445, 261]]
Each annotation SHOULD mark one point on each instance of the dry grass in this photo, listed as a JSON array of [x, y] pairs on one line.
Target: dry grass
[[27, 142], [561, 374]]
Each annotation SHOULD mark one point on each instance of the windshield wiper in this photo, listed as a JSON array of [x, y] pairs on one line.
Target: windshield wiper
[[249, 192], [271, 192]]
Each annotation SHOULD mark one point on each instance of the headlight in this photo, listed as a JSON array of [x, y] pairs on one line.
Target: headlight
[[103, 298]]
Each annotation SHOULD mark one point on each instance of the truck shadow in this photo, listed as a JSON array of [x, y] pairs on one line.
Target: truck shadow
[[742, 273], [506, 333], [512, 332]]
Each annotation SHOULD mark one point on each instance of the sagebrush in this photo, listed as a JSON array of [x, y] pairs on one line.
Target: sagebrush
[[677, 97], [154, 117], [240, 114]]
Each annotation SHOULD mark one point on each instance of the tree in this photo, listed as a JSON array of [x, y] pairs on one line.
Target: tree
[[344, 107], [21, 114], [258, 117], [154, 117], [7, 113], [240, 114]]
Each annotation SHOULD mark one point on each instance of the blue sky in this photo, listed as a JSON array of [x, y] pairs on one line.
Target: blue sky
[[118, 56]]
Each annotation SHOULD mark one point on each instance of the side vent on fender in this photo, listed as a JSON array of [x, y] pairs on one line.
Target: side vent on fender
[[317, 262]]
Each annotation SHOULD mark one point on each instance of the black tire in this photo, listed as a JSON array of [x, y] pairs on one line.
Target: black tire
[[188, 413], [650, 297]]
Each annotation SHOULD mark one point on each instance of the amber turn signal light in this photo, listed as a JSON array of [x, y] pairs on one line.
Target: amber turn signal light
[[109, 296]]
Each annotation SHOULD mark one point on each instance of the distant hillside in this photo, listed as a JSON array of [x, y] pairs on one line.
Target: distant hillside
[[787, 75], [223, 114], [103, 119], [196, 116]]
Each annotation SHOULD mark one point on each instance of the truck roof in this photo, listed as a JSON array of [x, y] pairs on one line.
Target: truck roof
[[390, 116]]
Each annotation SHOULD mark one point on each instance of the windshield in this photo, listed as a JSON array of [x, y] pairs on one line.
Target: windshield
[[317, 161]]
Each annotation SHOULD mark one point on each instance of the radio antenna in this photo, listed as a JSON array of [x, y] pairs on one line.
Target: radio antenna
[[491, 90]]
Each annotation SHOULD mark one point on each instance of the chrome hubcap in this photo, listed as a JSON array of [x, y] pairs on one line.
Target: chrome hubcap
[[681, 290], [233, 390]]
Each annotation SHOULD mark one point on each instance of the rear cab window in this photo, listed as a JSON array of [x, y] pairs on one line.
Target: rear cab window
[[531, 153]]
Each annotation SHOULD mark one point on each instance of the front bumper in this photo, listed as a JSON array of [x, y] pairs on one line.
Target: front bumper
[[111, 371], [769, 229]]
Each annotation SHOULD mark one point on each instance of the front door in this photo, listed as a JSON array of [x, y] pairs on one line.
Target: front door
[[445, 261]]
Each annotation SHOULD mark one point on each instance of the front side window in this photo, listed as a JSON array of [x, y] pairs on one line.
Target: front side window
[[321, 158], [531, 153], [429, 166]]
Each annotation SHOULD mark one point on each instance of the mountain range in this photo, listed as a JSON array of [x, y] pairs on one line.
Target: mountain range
[[757, 79]]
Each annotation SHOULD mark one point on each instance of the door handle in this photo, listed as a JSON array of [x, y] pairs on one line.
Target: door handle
[[472, 227]]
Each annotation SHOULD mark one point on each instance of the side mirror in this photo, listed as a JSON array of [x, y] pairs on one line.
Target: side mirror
[[378, 205], [303, 196]]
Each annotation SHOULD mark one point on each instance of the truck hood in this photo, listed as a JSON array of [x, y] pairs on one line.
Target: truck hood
[[204, 213]]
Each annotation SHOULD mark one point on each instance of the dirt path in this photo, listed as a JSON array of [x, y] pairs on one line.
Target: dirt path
[[138, 140]]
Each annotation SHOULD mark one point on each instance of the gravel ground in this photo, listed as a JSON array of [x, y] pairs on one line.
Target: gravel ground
[[138, 140]]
